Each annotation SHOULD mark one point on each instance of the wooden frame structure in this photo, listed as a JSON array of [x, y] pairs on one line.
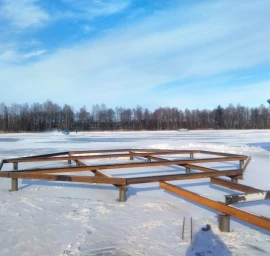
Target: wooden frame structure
[[190, 163]]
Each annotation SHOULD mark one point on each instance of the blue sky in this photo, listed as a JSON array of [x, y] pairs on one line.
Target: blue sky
[[185, 54]]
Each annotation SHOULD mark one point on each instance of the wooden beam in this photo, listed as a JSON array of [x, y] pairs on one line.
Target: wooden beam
[[188, 176], [251, 218]]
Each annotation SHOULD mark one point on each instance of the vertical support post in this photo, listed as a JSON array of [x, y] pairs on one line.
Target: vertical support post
[[234, 180], [131, 157], [191, 156], [122, 194], [224, 222], [14, 181], [69, 160], [241, 164], [187, 170], [77, 164], [149, 159]]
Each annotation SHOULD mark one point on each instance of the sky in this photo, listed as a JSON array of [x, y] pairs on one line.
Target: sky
[[184, 54]]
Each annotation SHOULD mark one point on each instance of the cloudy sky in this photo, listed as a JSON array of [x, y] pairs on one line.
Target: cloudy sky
[[185, 54]]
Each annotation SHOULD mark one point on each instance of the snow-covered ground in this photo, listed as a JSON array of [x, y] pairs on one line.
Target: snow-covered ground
[[48, 218]]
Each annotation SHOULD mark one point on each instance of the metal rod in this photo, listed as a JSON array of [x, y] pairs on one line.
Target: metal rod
[[191, 237], [251, 218], [183, 229]]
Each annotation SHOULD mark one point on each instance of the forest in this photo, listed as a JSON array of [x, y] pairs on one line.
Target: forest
[[48, 116]]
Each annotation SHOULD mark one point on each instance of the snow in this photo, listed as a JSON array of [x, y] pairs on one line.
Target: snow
[[68, 219]]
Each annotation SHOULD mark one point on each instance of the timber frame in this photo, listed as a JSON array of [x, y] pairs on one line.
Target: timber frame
[[189, 165]]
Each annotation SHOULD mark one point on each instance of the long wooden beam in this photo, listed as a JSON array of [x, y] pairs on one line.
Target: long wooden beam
[[171, 177], [251, 218], [69, 178], [130, 165]]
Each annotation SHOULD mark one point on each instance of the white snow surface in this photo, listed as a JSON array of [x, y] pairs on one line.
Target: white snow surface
[[68, 219]]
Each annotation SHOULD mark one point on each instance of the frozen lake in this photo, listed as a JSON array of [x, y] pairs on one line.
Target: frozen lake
[[46, 218]]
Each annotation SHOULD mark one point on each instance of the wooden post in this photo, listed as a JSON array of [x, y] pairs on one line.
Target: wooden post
[[224, 222], [187, 170], [14, 181], [191, 156]]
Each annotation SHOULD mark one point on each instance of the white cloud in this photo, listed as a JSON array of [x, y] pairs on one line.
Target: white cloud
[[23, 14], [11, 55], [124, 66], [94, 8]]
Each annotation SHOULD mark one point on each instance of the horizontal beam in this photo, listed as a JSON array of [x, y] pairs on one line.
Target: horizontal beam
[[247, 197], [96, 172], [45, 159], [69, 178], [234, 186], [180, 177], [130, 165], [218, 153], [251, 218]]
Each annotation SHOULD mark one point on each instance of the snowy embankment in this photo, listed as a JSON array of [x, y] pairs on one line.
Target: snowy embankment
[[48, 218]]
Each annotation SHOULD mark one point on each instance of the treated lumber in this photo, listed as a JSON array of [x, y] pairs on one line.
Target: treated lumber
[[234, 186], [254, 219], [130, 165], [69, 178], [188, 176]]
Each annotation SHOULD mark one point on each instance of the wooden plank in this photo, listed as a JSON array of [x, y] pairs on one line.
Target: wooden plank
[[251, 218], [129, 165], [188, 176], [247, 197], [234, 186], [69, 178]]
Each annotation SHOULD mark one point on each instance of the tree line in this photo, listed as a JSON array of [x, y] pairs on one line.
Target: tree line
[[48, 116]]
